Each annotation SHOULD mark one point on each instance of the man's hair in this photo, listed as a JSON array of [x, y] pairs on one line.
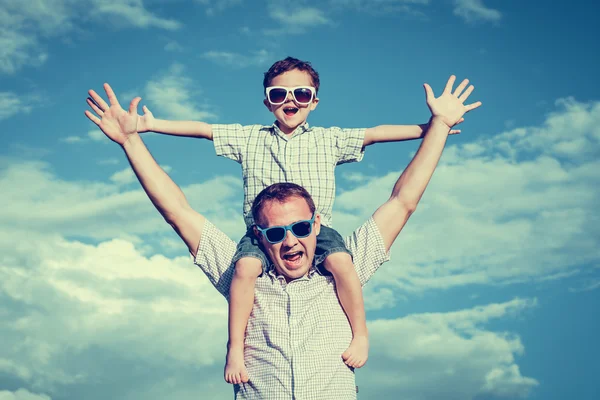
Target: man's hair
[[280, 192], [289, 64]]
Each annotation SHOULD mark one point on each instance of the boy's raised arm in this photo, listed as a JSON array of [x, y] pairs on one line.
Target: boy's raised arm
[[446, 111], [198, 129], [398, 133], [122, 127]]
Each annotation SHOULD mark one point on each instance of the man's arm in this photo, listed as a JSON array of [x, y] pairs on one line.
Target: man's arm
[[446, 110], [121, 127], [398, 133], [198, 129]]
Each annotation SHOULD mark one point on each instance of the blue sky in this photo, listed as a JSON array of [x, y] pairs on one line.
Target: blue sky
[[493, 288]]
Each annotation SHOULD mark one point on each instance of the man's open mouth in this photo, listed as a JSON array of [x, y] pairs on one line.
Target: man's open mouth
[[289, 111], [293, 257]]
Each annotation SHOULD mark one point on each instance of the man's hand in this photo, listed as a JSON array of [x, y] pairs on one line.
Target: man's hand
[[449, 108], [116, 123]]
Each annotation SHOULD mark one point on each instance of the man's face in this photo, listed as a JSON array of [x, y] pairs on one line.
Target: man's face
[[292, 257], [290, 114]]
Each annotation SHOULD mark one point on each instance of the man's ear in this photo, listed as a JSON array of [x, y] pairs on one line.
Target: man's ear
[[317, 227], [314, 103], [267, 104], [256, 232]]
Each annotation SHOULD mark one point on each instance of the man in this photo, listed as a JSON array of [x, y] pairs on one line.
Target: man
[[297, 330]]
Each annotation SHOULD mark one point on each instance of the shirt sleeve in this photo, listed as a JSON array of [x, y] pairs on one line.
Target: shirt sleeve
[[230, 140], [368, 250], [349, 144], [214, 256]]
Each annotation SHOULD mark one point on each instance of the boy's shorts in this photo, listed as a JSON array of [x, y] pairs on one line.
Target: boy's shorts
[[329, 241]]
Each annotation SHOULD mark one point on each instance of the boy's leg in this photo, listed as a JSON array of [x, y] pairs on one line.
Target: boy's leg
[[241, 300], [349, 292]]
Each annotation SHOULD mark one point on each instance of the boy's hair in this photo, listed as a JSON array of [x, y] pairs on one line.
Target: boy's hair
[[280, 192], [289, 64]]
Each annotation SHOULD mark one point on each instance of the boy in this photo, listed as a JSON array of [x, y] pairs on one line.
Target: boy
[[289, 151]]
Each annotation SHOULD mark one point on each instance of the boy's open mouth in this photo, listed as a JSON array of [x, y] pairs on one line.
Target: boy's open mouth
[[289, 111]]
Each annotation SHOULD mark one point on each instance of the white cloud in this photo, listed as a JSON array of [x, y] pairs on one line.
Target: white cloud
[[63, 299], [26, 26], [11, 104], [294, 18], [409, 7], [515, 207], [214, 7], [132, 12], [173, 46], [259, 57], [172, 94], [126, 176], [22, 394], [71, 139], [421, 356], [591, 284], [475, 10], [39, 200]]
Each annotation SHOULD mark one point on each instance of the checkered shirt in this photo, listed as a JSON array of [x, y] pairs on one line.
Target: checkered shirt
[[297, 331], [308, 158]]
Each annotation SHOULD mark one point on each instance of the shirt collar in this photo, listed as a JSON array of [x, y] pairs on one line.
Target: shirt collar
[[313, 270], [300, 129]]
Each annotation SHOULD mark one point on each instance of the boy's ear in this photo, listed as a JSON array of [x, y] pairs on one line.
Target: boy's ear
[[314, 103], [267, 104]]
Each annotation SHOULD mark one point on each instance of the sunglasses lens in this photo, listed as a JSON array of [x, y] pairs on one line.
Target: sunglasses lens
[[302, 229], [275, 235], [277, 95], [303, 95]]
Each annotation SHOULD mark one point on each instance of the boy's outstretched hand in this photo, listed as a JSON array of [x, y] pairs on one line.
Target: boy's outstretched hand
[[450, 107], [115, 122]]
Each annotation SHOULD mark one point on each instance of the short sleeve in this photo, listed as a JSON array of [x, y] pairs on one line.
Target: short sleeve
[[368, 250], [349, 144], [214, 256], [230, 141]]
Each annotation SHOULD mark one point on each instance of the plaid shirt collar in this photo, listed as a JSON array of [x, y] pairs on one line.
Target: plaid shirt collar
[[298, 131], [313, 270]]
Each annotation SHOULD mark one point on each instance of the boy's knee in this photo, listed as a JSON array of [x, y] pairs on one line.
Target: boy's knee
[[248, 267], [338, 262]]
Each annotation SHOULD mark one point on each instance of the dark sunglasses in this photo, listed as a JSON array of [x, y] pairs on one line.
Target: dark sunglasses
[[276, 234], [277, 95]]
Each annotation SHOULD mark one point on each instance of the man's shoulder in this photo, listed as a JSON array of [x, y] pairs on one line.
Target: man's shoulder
[[368, 249]]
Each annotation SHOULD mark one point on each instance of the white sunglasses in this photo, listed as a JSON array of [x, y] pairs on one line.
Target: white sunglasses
[[277, 95]]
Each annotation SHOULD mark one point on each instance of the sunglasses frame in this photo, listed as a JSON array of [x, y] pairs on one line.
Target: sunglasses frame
[[288, 90], [287, 228]]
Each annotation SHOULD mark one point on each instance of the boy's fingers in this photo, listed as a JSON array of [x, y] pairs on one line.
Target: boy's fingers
[[428, 92], [461, 87], [134, 105], [94, 107], [467, 93], [98, 100], [92, 117], [473, 106], [112, 98], [449, 84]]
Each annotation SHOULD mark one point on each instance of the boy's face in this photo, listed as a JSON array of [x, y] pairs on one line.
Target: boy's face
[[290, 114]]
